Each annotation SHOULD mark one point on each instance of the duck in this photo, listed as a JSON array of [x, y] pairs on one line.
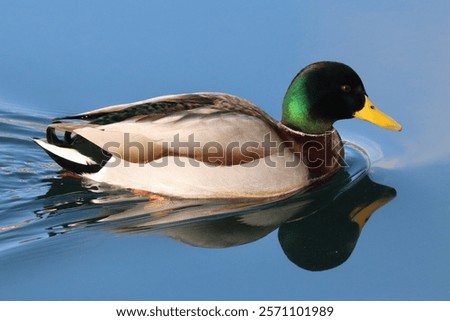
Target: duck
[[208, 145]]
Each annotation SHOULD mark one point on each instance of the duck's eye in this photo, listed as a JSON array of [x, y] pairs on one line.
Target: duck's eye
[[346, 88]]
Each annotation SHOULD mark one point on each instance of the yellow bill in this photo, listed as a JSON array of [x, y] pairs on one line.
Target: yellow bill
[[374, 115]]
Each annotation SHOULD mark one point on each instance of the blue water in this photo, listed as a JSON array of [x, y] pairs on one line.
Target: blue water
[[377, 230]]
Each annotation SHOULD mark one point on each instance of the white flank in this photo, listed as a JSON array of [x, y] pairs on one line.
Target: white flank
[[188, 178]]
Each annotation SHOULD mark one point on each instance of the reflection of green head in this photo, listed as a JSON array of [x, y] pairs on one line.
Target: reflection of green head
[[327, 238], [318, 244]]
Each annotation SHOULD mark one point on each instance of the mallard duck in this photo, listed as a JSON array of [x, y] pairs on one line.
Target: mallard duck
[[215, 145]]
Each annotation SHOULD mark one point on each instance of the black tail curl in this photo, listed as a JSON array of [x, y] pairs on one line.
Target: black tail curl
[[98, 155]]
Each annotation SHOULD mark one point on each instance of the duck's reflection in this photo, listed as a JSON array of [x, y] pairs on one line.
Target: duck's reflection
[[327, 238], [317, 229]]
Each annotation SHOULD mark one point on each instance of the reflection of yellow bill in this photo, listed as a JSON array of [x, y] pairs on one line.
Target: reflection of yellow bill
[[363, 214], [374, 115]]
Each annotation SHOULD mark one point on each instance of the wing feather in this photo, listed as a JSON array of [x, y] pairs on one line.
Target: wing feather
[[214, 128]]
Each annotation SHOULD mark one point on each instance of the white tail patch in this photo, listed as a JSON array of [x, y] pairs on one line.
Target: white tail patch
[[67, 153]]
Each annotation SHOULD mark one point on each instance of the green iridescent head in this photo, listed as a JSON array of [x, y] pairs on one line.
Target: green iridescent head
[[324, 92]]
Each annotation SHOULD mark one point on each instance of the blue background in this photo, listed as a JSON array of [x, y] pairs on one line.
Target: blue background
[[65, 57]]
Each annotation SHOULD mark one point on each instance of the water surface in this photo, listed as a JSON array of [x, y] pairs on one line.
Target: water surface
[[378, 230]]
